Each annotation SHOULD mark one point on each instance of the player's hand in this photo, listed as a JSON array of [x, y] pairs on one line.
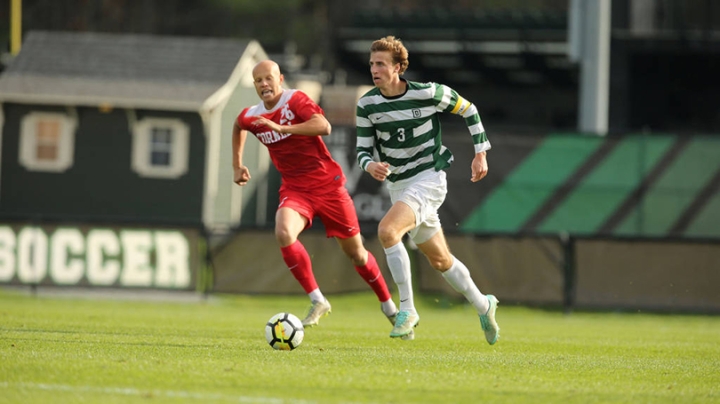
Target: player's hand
[[262, 121], [479, 167], [379, 171], [242, 175]]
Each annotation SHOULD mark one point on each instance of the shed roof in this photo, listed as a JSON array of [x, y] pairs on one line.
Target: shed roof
[[132, 70]]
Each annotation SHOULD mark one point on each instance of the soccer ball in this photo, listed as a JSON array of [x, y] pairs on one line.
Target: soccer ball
[[284, 331]]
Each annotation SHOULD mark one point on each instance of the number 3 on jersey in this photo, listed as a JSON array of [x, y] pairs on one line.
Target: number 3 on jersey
[[401, 134]]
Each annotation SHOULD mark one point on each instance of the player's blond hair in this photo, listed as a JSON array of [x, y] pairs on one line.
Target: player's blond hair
[[396, 48]]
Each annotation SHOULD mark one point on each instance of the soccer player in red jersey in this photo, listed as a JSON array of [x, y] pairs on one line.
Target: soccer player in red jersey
[[290, 124]]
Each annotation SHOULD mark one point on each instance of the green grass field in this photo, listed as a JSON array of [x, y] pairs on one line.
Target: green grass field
[[79, 350]]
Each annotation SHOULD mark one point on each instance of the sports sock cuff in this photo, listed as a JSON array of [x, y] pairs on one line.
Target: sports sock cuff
[[457, 265], [394, 248], [295, 247]]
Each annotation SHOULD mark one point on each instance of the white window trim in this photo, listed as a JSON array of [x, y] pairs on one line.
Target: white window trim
[[28, 142], [142, 132]]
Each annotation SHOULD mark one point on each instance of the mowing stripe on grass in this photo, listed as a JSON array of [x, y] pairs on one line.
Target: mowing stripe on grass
[[130, 391]]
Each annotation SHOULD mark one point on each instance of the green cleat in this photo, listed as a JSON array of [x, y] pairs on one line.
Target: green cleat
[[407, 337], [404, 324], [487, 320]]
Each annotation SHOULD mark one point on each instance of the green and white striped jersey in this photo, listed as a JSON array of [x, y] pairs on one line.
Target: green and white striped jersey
[[405, 130]]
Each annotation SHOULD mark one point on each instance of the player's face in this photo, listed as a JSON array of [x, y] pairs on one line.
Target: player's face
[[267, 82], [382, 69]]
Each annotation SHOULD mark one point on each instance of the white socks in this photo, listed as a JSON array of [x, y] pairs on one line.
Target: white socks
[[399, 263], [388, 307], [316, 296], [458, 276]]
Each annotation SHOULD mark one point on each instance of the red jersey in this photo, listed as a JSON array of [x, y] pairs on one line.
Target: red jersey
[[304, 162]]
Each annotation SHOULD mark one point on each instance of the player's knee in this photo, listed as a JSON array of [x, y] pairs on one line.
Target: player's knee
[[388, 236], [284, 237], [354, 249], [357, 256]]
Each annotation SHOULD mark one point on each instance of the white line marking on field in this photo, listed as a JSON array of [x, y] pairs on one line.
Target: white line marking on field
[[129, 391]]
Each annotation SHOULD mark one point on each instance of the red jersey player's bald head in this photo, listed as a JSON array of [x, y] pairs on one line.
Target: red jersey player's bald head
[[268, 82]]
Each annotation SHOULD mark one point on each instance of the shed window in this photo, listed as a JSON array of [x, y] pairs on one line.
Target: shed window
[[160, 148], [47, 141]]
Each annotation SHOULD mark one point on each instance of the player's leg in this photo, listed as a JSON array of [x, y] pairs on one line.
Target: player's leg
[[293, 216], [396, 222], [458, 276], [453, 270], [367, 267], [288, 225], [411, 206], [337, 212], [393, 226]]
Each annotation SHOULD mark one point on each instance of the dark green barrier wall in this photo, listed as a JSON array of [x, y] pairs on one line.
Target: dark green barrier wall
[[636, 185]]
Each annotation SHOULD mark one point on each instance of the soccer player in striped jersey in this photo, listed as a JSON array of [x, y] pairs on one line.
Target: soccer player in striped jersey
[[399, 120], [290, 124]]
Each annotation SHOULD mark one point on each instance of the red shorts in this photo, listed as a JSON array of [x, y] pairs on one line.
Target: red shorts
[[335, 209]]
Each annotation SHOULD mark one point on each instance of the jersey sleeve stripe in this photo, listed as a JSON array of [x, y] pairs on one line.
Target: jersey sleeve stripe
[[369, 100], [363, 122], [383, 136], [446, 97], [472, 110], [365, 142], [481, 147], [364, 159], [476, 129]]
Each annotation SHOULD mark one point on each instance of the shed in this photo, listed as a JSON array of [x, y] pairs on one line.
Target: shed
[[128, 128]]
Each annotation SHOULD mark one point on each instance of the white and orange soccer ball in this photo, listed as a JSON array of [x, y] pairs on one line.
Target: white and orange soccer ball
[[284, 331]]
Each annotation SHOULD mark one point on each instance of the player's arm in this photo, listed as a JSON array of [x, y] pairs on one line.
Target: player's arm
[[365, 144], [460, 106], [241, 173], [317, 125]]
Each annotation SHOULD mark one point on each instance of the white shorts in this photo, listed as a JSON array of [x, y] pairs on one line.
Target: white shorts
[[424, 194]]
